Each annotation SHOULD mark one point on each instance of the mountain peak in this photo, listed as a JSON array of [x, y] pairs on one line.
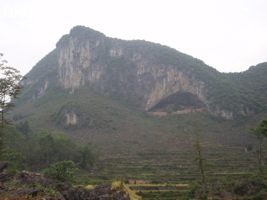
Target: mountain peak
[[81, 33]]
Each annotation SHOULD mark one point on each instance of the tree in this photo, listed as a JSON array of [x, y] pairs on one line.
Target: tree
[[15, 160], [87, 158], [63, 170], [46, 148], [23, 127], [10, 88], [201, 160], [54, 147], [261, 133]]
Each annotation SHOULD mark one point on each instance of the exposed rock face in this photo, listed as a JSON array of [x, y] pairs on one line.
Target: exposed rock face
[[109, 65], [179, 83], [71, 118], [73, 60], [71, 115]]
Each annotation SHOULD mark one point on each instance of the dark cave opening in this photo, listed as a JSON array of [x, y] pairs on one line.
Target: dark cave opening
[[178, 101]]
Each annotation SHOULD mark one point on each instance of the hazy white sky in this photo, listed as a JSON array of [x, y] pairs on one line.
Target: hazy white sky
[[229, 35]]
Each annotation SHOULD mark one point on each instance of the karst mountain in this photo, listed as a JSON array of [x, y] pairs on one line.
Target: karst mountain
[[106, 90]]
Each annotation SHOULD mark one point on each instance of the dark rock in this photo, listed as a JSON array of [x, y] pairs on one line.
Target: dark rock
[[248, 188], [3, 165], [24, 174], [37, 183], [26, 192], [101, 192], [225, 194], [33, 179]]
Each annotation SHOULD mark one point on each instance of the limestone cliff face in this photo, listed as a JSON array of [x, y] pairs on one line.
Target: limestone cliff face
[[74, 60], [110, 66]]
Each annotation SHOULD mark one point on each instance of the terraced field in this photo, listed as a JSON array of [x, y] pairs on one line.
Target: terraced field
[[173, 173]]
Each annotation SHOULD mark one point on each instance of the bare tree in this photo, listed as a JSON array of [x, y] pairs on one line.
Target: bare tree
[[261, 133], [200, 158]]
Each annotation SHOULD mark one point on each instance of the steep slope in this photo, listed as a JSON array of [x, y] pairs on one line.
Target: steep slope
[[42, 76], [98, 88], [253, 81]]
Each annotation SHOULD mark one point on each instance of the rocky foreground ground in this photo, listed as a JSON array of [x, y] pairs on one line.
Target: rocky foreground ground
[[27, 185]]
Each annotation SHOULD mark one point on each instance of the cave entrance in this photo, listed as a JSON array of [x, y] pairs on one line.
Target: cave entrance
[[181, 102]]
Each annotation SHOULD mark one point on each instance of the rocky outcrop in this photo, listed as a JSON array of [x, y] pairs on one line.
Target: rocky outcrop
[[3, 165], [38, 186]]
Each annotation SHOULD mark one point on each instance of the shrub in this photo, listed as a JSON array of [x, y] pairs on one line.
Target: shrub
[[63, 170]]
